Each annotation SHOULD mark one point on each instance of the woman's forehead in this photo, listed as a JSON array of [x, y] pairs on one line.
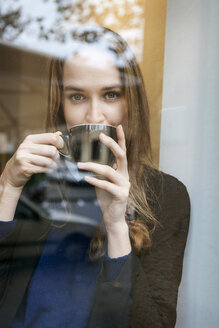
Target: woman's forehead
[[93, 62], [91, 69]]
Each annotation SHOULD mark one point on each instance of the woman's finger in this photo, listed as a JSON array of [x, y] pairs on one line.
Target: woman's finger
[[103, 170], [35, 169], [118, 152], [121, 137], [36, 160], [43, 150], [47, 139], [109, 187]]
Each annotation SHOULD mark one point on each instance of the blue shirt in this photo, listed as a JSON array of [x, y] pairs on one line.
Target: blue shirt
[[62, 287]]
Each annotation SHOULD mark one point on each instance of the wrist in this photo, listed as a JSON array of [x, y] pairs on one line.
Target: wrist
[[7, 187], [6, 181], [9, 196], [117, 228], [118, 239]]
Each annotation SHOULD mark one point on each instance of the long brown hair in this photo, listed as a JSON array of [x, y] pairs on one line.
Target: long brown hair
[[137, 131]]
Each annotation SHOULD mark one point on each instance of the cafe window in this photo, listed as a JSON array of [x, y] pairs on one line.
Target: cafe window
[[97, 100]]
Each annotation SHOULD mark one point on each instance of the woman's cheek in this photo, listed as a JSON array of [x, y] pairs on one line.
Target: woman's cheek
[[72, 117], [119, 115]]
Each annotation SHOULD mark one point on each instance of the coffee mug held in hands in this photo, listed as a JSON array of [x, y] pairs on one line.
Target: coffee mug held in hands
[[82, 144]]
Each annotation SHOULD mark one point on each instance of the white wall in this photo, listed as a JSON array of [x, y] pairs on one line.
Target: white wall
[[190, 148]]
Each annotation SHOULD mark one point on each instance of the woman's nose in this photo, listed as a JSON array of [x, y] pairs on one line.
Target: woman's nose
[[95, 112]]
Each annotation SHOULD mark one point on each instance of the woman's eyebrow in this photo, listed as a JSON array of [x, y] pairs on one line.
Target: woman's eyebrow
[[72, 88], [115, 86]]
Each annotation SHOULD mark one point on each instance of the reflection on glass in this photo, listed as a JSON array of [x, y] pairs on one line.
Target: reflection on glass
[[78, 150], [84, 251], [95, 150]]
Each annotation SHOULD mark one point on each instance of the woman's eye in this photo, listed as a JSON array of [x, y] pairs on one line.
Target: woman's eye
[[111, 95], [77, 97]]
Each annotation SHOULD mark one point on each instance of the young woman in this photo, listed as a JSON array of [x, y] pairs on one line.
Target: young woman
[[134, 279]]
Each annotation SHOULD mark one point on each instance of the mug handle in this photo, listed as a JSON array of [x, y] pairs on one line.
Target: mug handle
[[65, 138]]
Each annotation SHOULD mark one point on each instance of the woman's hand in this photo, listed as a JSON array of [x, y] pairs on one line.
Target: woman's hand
[[36, 154], [113, 193]]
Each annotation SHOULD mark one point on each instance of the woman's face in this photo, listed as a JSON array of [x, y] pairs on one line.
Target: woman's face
[[93, 90]]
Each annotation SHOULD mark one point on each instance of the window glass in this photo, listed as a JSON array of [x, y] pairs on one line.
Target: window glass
[[92, 233]]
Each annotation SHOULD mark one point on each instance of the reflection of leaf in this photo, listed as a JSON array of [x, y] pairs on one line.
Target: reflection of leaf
[[39, 19]]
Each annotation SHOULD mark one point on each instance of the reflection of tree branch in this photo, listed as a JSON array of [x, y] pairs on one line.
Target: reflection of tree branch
[[11, 22], [119, 15]]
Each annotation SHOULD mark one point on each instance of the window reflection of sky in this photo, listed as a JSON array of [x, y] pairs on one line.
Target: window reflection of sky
[[50, 22]]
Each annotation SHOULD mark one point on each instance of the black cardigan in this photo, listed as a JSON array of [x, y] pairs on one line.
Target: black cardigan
[[145, 292]]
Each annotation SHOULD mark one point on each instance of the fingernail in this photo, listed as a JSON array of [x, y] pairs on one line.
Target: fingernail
[[80, 164]]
